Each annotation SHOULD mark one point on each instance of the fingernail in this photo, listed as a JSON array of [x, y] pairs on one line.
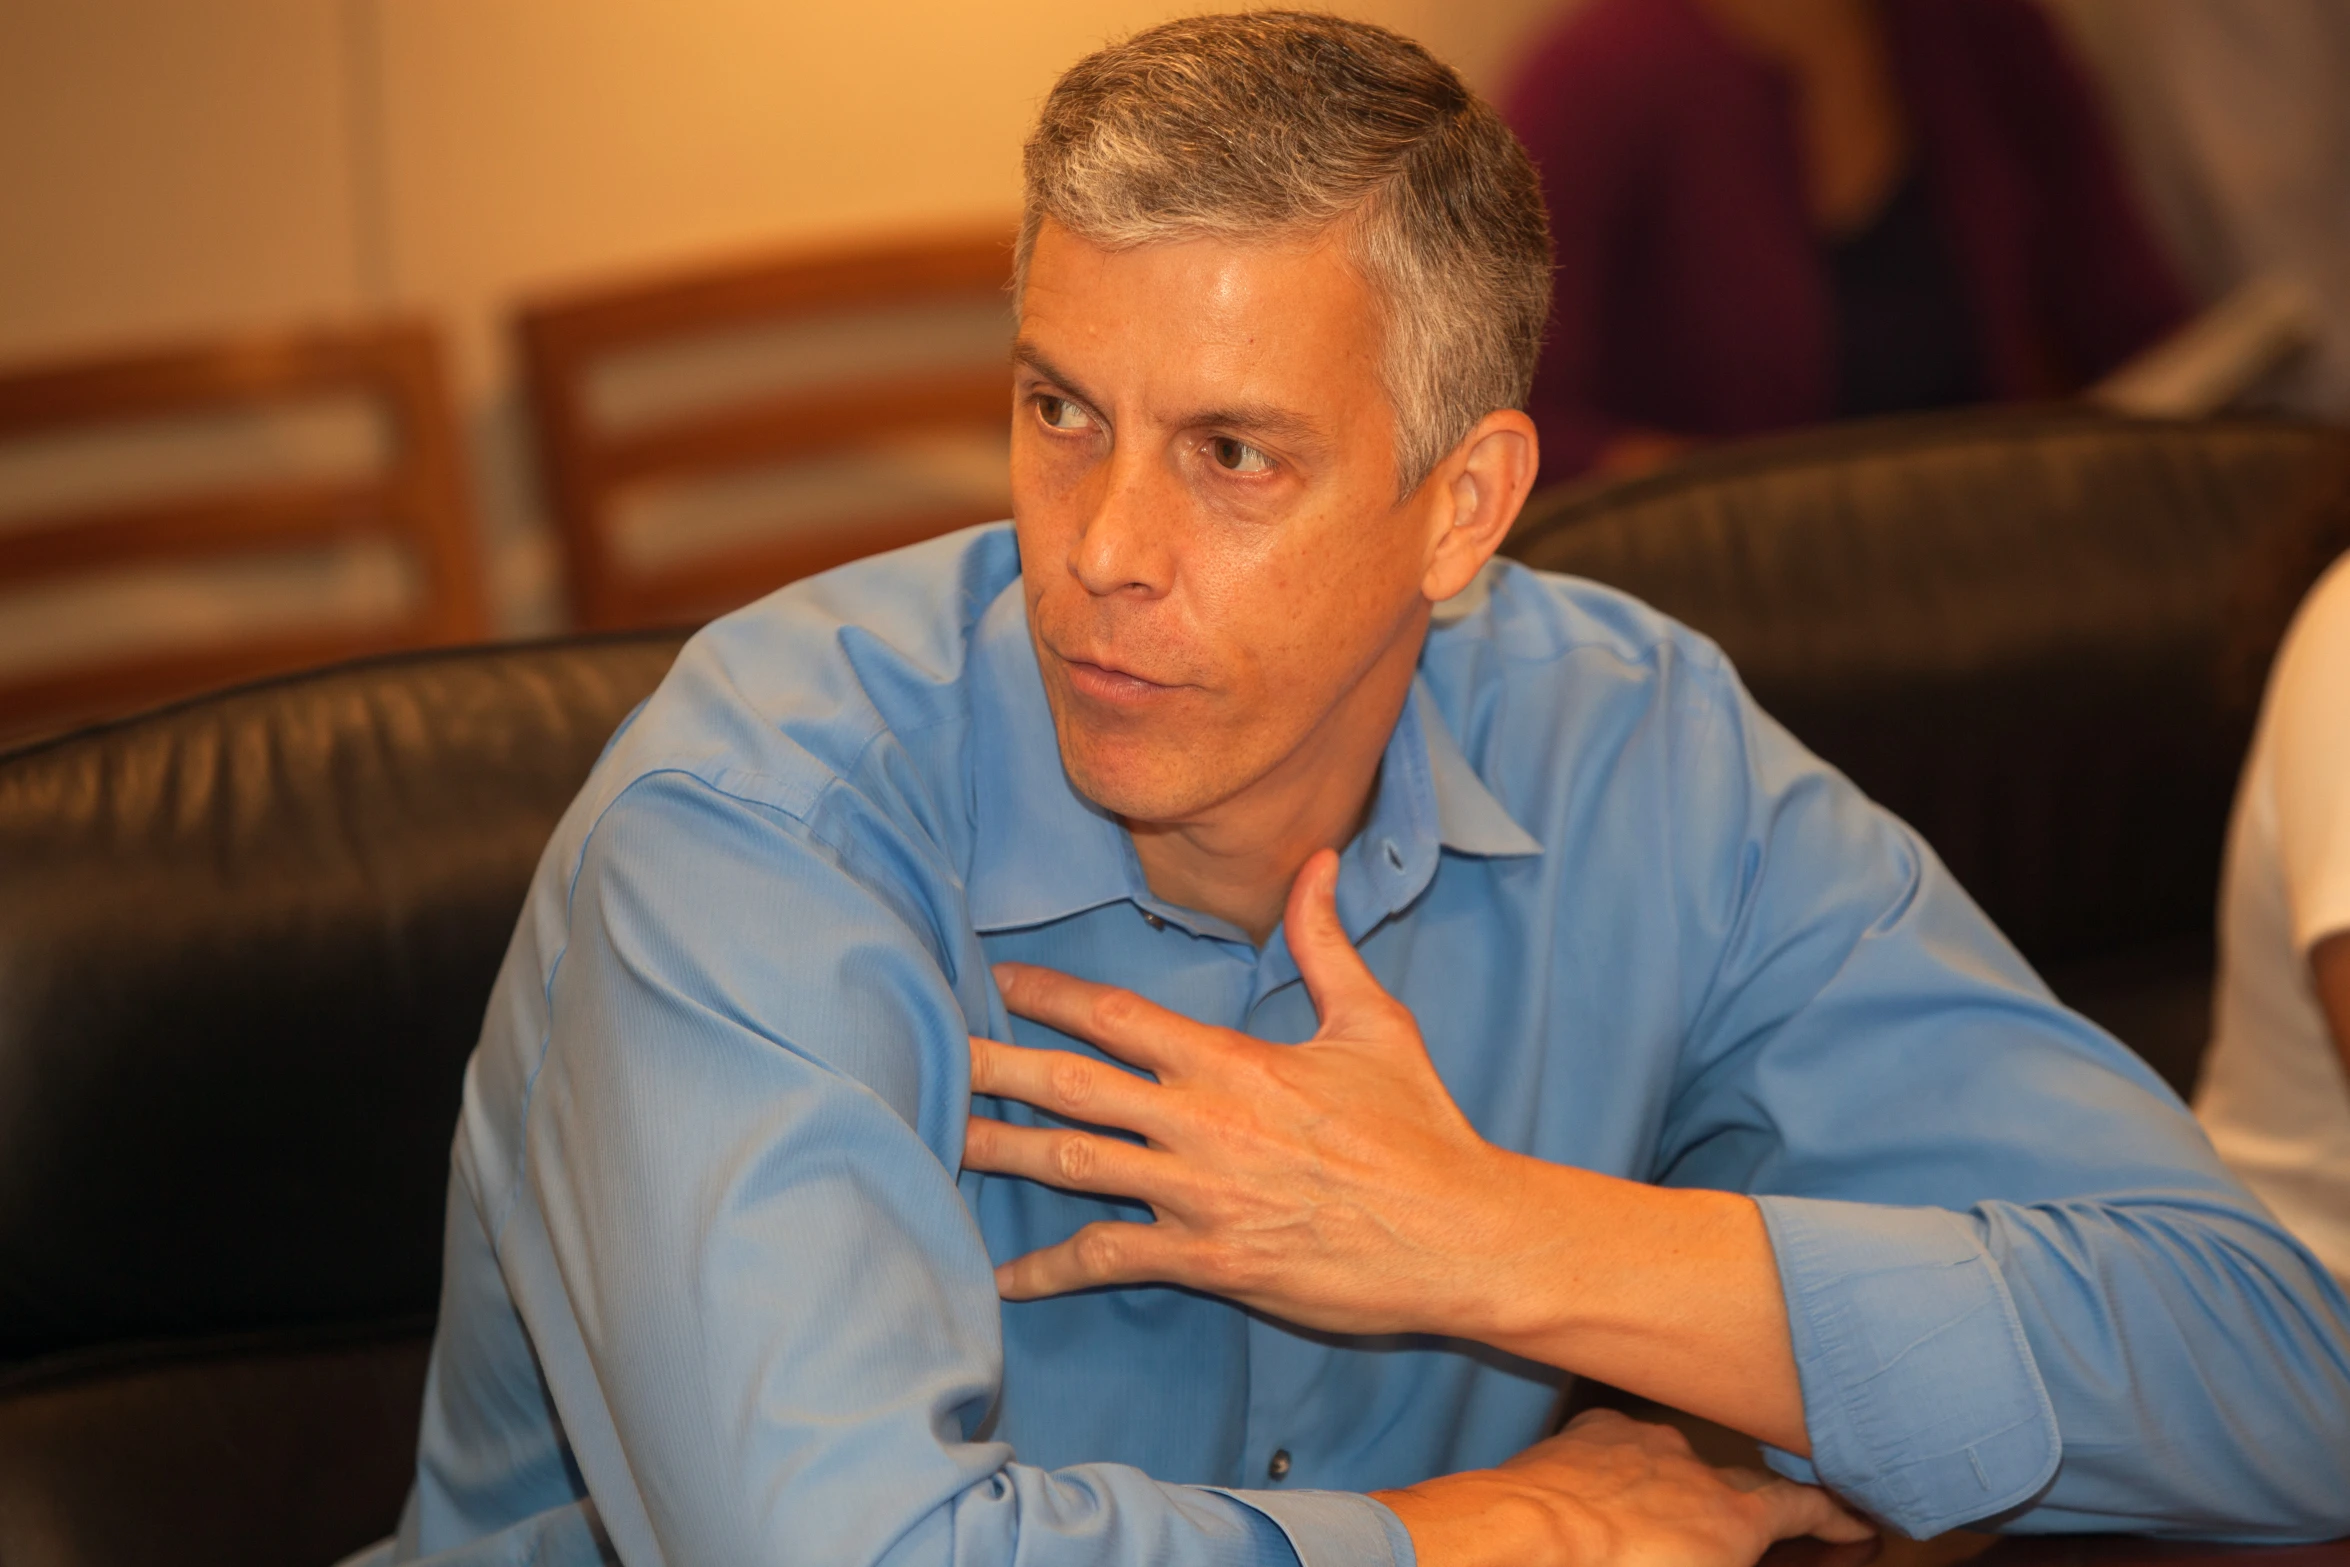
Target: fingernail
[[1003, 973]]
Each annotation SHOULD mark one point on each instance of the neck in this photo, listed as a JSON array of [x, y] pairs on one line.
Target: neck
[[1236, 859]]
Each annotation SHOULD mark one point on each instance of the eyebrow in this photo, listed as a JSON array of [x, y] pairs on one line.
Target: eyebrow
[[1265, 418], [1258, 418], [1027, 353]]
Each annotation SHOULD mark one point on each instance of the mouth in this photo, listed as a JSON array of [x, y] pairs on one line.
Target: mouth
[[1103, 681]]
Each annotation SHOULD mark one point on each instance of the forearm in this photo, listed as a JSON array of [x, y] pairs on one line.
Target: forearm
[[1673, 1295], [747, 1279]]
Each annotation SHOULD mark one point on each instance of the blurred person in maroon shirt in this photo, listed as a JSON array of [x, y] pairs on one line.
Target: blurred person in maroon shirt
[[1776, 212]]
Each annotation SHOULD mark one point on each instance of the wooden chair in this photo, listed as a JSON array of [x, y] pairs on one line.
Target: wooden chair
[[186, 536], [867, 389]]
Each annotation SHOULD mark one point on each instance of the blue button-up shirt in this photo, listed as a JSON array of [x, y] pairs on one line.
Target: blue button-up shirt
[[717, 1292]]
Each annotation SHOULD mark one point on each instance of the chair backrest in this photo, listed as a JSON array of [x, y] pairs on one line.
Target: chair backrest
[[245, 948], [708, 436], [178, 520], [2005, 625]]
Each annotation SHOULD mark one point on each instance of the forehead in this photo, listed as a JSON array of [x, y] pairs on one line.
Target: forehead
[[1204, 320]]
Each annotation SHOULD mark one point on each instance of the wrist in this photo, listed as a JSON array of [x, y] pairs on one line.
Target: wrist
[[1672, 1294], [1546, 1265], [1481, 1519]]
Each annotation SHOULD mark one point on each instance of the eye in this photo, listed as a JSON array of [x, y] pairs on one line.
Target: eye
[[1060, 413], [1238, 456]]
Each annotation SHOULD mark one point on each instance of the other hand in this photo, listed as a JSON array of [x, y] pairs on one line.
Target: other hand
[[1612, 1490]]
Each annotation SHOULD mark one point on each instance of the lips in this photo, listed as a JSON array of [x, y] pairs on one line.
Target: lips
[[1106, 683], [1103, 679]]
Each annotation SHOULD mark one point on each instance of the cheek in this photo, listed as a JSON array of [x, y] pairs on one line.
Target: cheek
[[1283, 630], [1045, 502], [1031, 474], [1326, 587], [1239, 592], [1043, 465]]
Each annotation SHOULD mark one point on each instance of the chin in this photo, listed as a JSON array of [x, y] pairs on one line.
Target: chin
[[1136, 780]]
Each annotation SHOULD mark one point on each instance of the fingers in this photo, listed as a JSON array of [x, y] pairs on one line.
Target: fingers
[[1336, 977], [1068, 1084], [1099, 1254], [1119, 1022], [1786, 1510], [1076, 1161], [1791, 1510]]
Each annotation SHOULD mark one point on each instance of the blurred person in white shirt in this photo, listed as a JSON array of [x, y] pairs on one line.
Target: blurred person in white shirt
[[2275, 1094]]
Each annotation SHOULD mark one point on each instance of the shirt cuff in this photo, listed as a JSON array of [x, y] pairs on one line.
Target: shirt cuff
[[1332, 1528], [1923, 1402]]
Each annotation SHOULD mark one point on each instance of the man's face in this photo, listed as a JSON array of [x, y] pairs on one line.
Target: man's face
[[1203, 480]]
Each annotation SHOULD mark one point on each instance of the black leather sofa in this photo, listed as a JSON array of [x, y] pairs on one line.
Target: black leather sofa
[[2008, 627], [245, 942]]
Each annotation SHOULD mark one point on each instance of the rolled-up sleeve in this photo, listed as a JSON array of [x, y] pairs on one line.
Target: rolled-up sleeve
[[2020, 1286], [764, 1314], [1929, 1406]]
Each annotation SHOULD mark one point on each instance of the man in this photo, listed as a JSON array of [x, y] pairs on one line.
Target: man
[[1485, 944]]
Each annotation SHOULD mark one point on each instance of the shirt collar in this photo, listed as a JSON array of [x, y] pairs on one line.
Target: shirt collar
[[1043, 852], [1429, 799], [1468, 818]]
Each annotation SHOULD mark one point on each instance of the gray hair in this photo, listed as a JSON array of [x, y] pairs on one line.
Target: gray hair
[[1275, 123]]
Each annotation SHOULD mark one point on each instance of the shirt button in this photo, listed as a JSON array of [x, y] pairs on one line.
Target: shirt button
[[1153, 921], [1278, 1469]]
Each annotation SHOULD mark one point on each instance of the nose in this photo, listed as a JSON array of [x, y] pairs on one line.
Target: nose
[[1123, 547]]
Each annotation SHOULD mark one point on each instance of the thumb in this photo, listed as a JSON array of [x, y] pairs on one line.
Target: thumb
[[1341, 985]]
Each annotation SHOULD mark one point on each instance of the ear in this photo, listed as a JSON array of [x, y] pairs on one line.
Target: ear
[[1478, 490]]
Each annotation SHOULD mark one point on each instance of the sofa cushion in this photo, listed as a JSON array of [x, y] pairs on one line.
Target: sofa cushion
[[245, 946]]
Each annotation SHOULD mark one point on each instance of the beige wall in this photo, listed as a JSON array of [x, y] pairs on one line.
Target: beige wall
[[172, 168]]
